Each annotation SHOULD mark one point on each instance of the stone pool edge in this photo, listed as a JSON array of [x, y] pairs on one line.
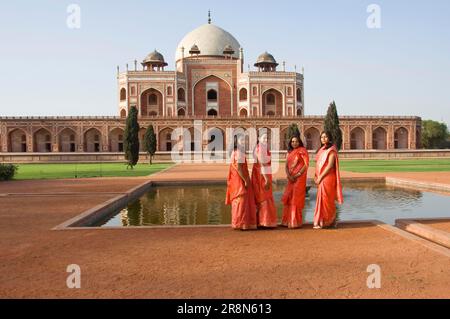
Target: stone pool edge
[[98, 212], [416, 227]]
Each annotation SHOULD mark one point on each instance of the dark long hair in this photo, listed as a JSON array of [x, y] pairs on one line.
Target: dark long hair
[[330, 140], [300, 142], [235, 143]]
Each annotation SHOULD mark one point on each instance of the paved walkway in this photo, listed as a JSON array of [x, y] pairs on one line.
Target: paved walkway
[[199, 262]]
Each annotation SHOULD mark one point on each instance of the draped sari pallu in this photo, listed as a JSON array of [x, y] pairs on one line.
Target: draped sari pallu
[[241, 199], [294, 195], [265, 204], [330, 188]]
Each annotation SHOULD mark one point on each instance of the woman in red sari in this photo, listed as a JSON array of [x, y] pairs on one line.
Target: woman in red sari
[[328, 181], [297, 163], [262, 185], [239, 189]]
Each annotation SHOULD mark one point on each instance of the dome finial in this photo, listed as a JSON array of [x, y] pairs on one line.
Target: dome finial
[[209, 16]]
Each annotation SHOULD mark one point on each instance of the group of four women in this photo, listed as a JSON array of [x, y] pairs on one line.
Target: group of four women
[[251, 198]]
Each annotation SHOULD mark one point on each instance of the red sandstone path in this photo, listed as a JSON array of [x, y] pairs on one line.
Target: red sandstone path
[[202, 262]]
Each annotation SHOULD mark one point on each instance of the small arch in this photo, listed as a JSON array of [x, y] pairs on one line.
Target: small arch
[[152, 113], [42, 141], [357, 139], [401, 138], [212, 112], [116, 140], [169, 90], [152, 99], [243, 112], [299, 95], [272, 102], [255, 91], [243, 94], [212, 95], [181, 112], [181, 95], [92, 140], [17, 141], [123, 94], [289, 91], [67, 140], [165, 140], [312, 136], [299, 112], [379, 139], [123, 113]]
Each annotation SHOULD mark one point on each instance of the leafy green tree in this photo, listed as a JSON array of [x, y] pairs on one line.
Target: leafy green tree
[[434, 134], [131, 145], [331, 125], [150, 143]]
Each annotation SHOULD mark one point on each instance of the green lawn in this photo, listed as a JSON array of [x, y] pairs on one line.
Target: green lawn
[[54, 171], [401, 165], [413, 165]]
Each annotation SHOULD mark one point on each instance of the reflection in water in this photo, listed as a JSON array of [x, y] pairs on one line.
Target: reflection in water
[[204, 205]]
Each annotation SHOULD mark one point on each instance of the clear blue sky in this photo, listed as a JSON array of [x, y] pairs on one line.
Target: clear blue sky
[[401, 69]]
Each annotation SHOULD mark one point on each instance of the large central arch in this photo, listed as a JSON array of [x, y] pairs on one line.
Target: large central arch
[[224, 97]]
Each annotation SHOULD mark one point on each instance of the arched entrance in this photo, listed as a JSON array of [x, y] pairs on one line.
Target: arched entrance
[[357, 139], [312, 136], [272, 102], [42, 141], [67, 140], [92, 141], [165, 140], [379, 139], [116, 138], [17, 141], [401, 138], [151, 103]]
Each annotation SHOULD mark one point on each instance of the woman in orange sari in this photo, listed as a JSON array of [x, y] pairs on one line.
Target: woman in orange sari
[[239, 189], [328, 181], [297, 163], [262, 184]]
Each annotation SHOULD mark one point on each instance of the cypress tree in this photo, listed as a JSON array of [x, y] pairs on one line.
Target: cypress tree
[[293, 130], [131, 145], [150, 143], [331, 125]]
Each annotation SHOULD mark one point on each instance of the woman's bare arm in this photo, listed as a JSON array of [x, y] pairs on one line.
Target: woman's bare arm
[[330, 166]]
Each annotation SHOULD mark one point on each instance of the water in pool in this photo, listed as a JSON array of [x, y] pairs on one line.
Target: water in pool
[[204, 205]]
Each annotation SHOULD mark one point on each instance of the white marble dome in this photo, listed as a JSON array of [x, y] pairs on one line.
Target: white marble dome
[[210, 39]]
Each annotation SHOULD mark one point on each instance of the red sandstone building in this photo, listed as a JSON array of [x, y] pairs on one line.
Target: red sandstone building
[[209, 84]]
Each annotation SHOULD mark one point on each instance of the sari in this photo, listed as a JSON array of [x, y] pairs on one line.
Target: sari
[[330, 188], [265, 204], [241, 198], [294, 195]]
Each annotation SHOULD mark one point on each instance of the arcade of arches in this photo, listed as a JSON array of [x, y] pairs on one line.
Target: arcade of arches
[[103, 137]]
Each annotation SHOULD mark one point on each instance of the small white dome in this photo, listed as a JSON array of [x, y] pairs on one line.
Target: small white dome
[[210, 40]]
